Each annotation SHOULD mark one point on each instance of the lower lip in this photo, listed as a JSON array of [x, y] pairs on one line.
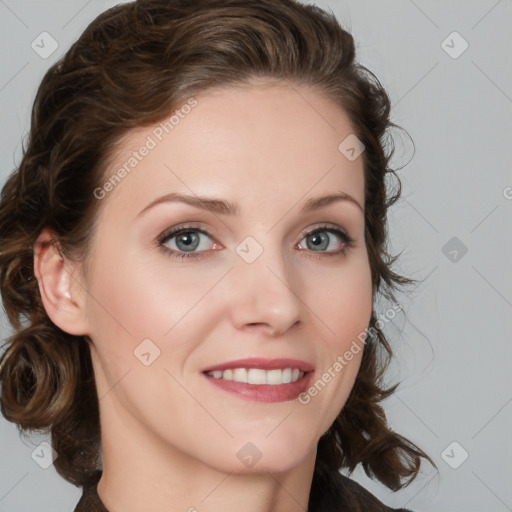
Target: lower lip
[[264, 392]]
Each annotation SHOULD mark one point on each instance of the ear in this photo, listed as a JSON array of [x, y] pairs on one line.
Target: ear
[[61, 291]]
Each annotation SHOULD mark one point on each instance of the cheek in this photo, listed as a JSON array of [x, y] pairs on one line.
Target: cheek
[[134, 299], [345, 311], [347, 306]]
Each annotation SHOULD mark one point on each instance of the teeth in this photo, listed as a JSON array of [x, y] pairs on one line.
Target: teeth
[[258, 376], [240, 375]]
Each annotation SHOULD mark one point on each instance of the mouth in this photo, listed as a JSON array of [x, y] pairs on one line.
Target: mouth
[[259, 376], [254, 380]]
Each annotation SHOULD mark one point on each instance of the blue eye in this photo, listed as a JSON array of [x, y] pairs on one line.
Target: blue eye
[[320, 239], [187, 239]]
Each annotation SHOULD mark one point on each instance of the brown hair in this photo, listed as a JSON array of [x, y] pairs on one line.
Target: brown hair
[[132, 66]]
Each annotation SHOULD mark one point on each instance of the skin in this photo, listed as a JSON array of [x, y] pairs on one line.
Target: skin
[[170, 438]]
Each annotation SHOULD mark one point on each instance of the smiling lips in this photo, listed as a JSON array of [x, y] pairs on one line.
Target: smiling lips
[[264, 380]]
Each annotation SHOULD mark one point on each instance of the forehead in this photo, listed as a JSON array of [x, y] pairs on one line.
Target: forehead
[[259, 143]]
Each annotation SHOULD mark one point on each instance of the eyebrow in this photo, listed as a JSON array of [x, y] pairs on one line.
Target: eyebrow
[[220, 206]]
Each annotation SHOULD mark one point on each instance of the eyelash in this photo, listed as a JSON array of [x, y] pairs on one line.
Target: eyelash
[[348, 242]]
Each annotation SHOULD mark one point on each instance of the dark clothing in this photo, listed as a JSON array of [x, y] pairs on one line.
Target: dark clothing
[[336, 493]]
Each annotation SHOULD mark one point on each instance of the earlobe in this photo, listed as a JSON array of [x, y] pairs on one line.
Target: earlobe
[[59, 289]]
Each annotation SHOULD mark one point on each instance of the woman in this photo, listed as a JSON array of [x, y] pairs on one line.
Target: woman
[[190, 253]]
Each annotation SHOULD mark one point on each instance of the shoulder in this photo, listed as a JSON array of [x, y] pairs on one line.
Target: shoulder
[[365, 499], [334, 492]]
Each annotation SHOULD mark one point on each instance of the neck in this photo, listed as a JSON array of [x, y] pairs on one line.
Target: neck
[[141, 472]]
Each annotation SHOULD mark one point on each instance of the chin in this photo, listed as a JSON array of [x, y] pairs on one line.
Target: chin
[[262, 456]]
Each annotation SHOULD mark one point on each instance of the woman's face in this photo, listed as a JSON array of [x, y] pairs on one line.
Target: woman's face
[[267, 279]]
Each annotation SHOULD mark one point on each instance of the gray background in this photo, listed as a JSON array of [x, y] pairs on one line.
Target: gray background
[[453, 344]]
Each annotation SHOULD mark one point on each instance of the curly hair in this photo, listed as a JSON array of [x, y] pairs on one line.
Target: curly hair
[[134, 64]]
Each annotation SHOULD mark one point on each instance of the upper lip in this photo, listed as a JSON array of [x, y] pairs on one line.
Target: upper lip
[[263, 363]]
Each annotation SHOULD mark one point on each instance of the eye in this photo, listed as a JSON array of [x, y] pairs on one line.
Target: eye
[[320, 239], [185, 242], [182, 242]]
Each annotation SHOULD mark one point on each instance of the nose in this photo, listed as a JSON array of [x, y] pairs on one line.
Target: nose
[[267, 295]]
